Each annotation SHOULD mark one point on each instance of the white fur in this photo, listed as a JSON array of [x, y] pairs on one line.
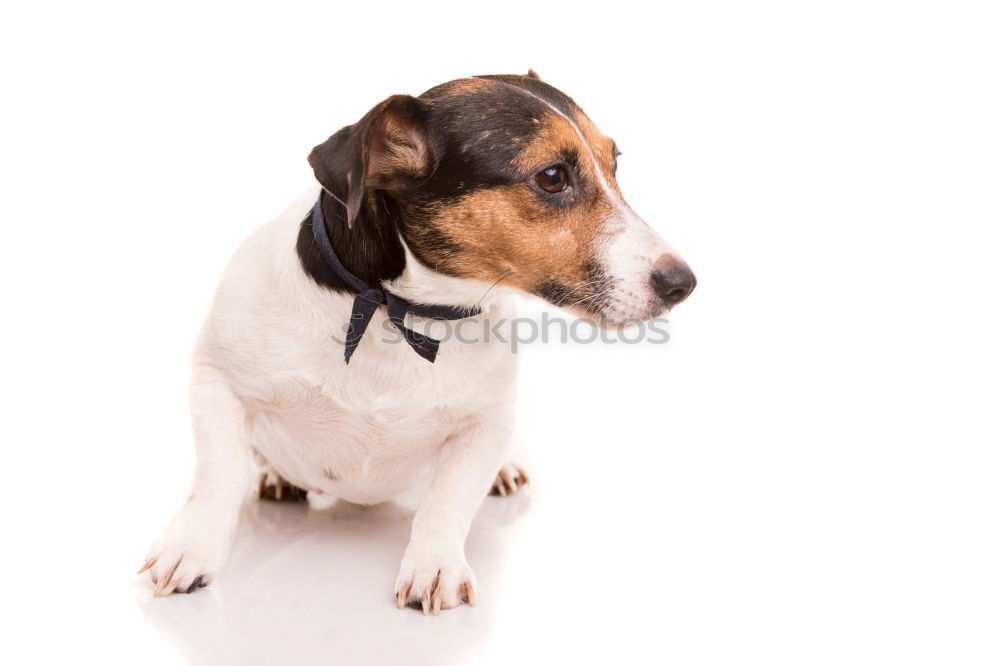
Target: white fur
[[630, 255], [270, 382]]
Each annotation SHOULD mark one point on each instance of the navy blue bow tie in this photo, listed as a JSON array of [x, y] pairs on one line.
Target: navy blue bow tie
[[370, 298]]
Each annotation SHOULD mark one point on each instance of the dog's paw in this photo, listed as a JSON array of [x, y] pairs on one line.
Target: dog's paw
[[510, 479], [188, 554], [434, 581]]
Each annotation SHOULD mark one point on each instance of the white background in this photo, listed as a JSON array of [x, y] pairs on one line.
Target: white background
[[806, 474]]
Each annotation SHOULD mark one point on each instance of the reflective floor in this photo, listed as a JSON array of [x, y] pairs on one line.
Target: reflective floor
[[323, 581]]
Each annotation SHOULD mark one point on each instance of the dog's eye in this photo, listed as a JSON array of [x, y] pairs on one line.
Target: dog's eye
[[553, 179]]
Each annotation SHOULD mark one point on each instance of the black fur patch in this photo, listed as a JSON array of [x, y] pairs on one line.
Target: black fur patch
[[586, 296], [556, 293], [598, 280], [369, 248], [479, 137], [557, 98], [479, 134]]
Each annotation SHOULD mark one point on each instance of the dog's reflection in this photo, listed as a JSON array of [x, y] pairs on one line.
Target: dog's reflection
[[305, 583]]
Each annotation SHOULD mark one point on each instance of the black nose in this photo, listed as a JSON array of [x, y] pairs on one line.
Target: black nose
[[673, 281]]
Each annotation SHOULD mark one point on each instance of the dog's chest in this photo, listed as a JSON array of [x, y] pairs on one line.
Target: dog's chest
[[364, 436]]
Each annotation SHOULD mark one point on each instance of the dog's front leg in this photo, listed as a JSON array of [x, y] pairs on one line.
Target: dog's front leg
[[434, 572], [192, 548]]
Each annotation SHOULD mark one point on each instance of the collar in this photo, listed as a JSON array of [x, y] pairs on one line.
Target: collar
[[369, 299]]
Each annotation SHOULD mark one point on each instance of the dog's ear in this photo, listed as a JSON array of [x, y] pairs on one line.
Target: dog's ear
[[532, 74], [389, 149]]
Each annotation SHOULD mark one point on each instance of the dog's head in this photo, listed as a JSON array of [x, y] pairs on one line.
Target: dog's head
[[505, 178]]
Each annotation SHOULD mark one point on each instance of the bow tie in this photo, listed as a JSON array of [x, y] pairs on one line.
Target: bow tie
[[369, 299]]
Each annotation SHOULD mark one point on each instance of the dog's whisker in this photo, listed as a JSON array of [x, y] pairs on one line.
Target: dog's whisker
[[506, 274]]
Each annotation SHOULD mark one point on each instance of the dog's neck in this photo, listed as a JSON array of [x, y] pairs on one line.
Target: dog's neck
[[370, 248]]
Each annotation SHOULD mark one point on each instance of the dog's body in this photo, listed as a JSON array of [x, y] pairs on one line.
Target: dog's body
[[272, 390], [366, 431]]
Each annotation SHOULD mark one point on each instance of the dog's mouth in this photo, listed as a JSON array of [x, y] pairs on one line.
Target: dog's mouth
[[612, 314]]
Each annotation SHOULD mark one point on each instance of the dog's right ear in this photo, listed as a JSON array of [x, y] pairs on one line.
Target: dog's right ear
[[388, 149]]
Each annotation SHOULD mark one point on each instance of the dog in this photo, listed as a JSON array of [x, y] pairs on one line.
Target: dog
[[430, 210]]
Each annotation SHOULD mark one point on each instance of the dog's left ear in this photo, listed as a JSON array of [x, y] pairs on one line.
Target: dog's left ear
[[388, 149]]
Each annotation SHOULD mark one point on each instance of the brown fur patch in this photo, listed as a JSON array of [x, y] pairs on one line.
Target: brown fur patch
[[399, 149], [505, 232], [554, 136], [602, 147]]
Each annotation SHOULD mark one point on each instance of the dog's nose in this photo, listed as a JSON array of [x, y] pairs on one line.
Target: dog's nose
[[672, 280]]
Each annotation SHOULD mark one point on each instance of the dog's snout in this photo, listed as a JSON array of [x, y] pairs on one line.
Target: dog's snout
[[672, 280]]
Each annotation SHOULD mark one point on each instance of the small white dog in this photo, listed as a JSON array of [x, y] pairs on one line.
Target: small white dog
[[431, 209]]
